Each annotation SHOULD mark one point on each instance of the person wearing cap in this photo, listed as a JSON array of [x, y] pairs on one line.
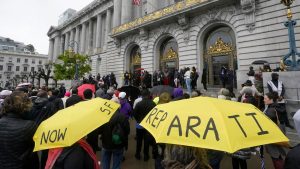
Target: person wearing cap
[[276, 86], [125, 106]]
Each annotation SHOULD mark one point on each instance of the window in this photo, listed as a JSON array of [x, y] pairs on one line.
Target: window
[[1, 59], [0, 76], [8, 68], [8, 77], [17, 68], [4, 47], [40, 62], [33, 61], [26, 60], [25, 69], [32, 69], [1, 67], [18, 60]]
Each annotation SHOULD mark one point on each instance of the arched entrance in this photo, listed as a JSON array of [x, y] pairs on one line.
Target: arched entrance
[[220, 56], [168, 55], [135, 59]]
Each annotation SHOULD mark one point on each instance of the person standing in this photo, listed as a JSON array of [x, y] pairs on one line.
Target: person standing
[[223, 76], [187, 78], [204, 78], [74, 98], [194, 78], [57, 102], [113, 135], [276, 152], [16, 143], [126, 78], [139, 112], [251, 74], [275, 85]]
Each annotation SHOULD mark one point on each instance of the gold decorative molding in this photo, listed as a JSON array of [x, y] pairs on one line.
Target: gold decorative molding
[[157, 14], [220, 48], [170, 55], [136, 60]]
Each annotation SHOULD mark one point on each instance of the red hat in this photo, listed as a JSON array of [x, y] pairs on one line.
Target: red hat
[[117, 92]]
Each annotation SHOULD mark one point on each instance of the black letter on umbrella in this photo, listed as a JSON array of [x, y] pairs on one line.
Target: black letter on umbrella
[[45, 138], [151, 114], [213, 127], [262, 132], [178, 125], [191, 127], [237, 121]]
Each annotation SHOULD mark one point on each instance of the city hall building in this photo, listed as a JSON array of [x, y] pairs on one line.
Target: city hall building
[[172, 34]]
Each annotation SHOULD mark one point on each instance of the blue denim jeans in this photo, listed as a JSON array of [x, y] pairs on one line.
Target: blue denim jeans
[[188, 85], [106, 156]]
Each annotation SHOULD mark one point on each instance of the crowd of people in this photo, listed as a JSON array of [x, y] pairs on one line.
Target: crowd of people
[[23, 110]]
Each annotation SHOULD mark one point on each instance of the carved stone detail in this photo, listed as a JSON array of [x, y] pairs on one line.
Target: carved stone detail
[[213, 15], [248, 9], [184, 23], [144, 34], [117, 42]]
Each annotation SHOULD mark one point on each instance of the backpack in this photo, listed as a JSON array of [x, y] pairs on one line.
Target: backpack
[[118, 135]]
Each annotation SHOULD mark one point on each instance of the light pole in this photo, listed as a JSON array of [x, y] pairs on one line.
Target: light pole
[[292, 59], [74, 45]]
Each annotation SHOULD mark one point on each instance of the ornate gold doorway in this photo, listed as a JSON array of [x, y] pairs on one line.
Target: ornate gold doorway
[[169, 55], [135, 59], [220, 53]]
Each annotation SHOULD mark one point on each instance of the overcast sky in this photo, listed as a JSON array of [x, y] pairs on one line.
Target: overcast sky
[[28, 21]]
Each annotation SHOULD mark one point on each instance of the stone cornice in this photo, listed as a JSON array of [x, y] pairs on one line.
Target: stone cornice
[[165, 13], [24, 54], [80, 14]]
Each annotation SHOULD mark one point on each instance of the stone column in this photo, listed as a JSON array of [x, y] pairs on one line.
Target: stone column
[[117, 13], [83, 38], [72, 35], [108, 25], [77, 39], [152, 5], [126, 15], [51, 47], [98, 31], [90, 36], [67, 38], [56, 47], [61, 45]]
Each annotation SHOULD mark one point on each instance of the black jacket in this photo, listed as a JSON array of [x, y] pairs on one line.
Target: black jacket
[[142, 109], [41, 110], [74, 157], [16, 143], [73, 100], [271, 113], [57, 103], [292, 160], [106, 131]]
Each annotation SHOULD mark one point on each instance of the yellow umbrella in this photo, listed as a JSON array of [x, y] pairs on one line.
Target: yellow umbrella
[[211, 123], [69, 125]]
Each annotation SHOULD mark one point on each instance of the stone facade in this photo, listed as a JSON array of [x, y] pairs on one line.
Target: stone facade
[[108, 30], [16, 65]]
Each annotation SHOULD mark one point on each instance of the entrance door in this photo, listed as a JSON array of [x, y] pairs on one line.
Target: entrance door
[[219, 51], [218, 62]]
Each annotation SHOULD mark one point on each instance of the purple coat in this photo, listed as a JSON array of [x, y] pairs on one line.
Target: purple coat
[[125, 108]]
